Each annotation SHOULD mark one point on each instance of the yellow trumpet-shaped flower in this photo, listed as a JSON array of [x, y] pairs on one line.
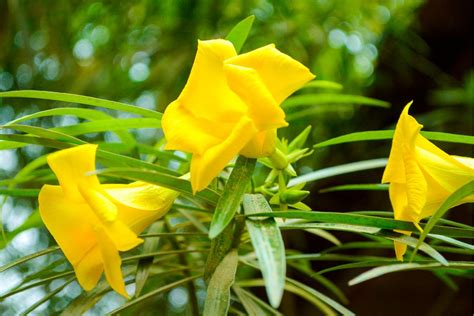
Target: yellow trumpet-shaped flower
[[92, 222], [231, 105], [421, 175]]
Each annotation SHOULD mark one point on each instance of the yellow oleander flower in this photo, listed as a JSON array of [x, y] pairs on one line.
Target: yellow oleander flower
[[231, 105], [92, 222], [421, 175]]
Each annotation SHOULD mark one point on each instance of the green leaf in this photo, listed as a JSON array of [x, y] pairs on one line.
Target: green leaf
[[357, 187], [364, 220], [358, 265], [36, 283], [450, 202], [268, 245], [48, 296], [27, 258], [218, 292], [144, 265], [34, 220], [299, 141], [252, 304], [329, 301], [338, 170], [333, 226], [220, 246], [231, 198], [323, 84], [388, 135], [452, 241], [89, 114], [379, 271], [321, 98], [238, 34], [324, 234], [293, 289], [152, 294], [46, 133], [305, 267], [412, 242], [20, 192], [108, 125], [81, 99], [14, 140]]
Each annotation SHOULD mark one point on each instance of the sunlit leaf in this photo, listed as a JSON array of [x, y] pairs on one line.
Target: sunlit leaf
[[231, 198], [322, 98], [379, 271], [218, 291], [268, 245], [238, 34], [80, 99], [388, 135]]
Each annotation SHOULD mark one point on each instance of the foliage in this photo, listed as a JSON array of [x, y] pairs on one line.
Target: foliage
[[207, 242]]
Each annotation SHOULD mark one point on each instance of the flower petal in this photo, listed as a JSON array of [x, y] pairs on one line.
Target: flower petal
[[140, 203], [70, 223], [122, 236], [112, 262], [207, 166], [445, 170], [89, 269], [188, 133], [281, 74], [206, 94], [262, 107], [406, 133], [71, 165]]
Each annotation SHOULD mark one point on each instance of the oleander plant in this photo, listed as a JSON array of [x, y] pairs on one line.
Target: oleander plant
[[213, 216]]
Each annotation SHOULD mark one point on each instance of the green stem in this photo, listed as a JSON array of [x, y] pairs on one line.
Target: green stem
[[282, 189]]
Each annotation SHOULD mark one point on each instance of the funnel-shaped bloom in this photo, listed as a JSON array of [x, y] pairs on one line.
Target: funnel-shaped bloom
[[231, 105], [92, 222], [421, 175]]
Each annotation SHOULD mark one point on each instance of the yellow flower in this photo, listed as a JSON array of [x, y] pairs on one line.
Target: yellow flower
[[92, 222], [421, 175], [231, 105]]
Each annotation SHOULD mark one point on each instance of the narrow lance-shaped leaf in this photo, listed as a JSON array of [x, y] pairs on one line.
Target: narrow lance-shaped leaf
[[229, 202], [144, 265], [329, 301], [218, 292], [379, 271], [252, 304], [151, 294], [323, 84], [238, 34], [365, 220], [412, 242], [388, 135], [338, 170], [357, 187], [268, 245], [320, 98], [81, 99]]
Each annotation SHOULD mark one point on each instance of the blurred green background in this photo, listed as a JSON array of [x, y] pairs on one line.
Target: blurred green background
[[140, 52]]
